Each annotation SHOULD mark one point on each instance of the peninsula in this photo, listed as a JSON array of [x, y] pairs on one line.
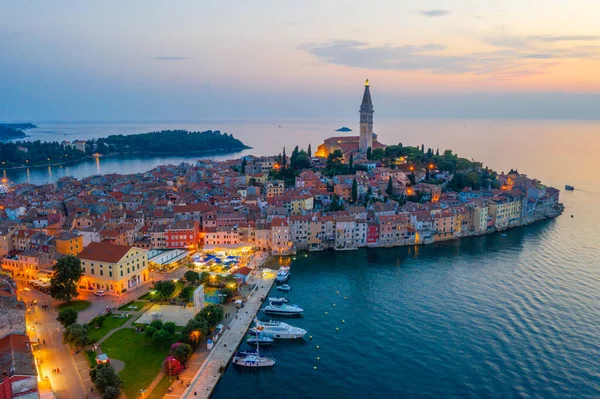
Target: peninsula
[[9, 133], [38, 153]]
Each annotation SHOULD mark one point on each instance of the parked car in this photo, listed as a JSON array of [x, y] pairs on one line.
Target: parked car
[[100, 293]]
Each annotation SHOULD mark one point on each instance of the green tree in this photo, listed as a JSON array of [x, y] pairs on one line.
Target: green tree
[[351, 163], [283, 158], [390, 187], [169, 327], [158, 324], [66, 317], [186, 292], [165, 288], [149, 331], [76, 335], [67, 273], [106, 380], [228, 292], [191, 276], [369, 153], [309, 151], [204, 278], [354, 191], [161, 338], [181, 352], [378, 154], [244, 163]]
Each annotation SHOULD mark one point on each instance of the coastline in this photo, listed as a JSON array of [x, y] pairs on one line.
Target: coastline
[[116, 154]]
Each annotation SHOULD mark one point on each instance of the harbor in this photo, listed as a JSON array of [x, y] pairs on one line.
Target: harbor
[[209, 374]]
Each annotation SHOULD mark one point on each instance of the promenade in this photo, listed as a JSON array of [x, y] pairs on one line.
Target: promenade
[[210, 372]]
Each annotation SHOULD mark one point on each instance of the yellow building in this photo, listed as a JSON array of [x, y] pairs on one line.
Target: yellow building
[[505, 211], [113, 268], [274, 188], [260, 178], [69, 244]]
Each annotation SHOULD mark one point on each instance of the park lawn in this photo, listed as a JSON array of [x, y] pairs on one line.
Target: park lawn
[[138, 306], [142, 359], [146, 297], [178, 287], [160, 389], [77, 305], [110, 323]]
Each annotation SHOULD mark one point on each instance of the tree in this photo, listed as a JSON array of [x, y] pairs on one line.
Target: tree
[[228, 292], [106, 380], [309, 151], [169, 327], [377, 154], [150, 331], [191, 276], [157, 324], [181, 351], [334, 159], [437, 152], [186, 292], [351, 163], [76, 335], [66, 317], [67, 273], [423, 148], [354, 191], [204, 277], [244, 163], [172, 366], [161, 338], [426, 173], [283, 158], [412, 178], [165, 288], [390, 187], [369, 151]]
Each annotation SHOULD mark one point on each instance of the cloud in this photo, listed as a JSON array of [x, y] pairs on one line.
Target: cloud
[[435, 58], [170, 58], [566, 38], [434, 13]]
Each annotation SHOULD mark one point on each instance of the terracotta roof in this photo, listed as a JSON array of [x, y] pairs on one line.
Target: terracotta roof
[[104, 252]]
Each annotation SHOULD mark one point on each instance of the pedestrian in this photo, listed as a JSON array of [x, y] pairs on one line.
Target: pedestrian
[[57, 370], [44, 341], [92, 389]]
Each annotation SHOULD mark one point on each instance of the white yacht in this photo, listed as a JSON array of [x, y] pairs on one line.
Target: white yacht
[[252, 359], [278, 300], [283, 309], [277, 330], [283, 274]]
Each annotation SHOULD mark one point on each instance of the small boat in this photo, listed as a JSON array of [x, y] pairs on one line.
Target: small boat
[[259, 339], [569, 188], [278, 330], [279, 300], [252, 359], [284, 287], [283, 274], [283, 309]]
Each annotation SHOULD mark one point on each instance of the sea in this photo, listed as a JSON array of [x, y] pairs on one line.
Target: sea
[[507, 315]]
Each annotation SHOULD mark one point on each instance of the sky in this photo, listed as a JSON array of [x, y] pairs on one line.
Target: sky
[[149, 60]]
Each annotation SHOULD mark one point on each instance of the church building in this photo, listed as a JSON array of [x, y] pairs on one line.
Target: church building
[[357, 145]]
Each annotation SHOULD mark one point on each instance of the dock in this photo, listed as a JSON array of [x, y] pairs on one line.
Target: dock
[[209, 374]]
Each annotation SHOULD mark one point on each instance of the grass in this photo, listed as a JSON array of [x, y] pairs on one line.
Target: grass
[[160, 390], [77, 305], [91, 356], [142, 359], [146, 297], [110, 323], [138, 306]]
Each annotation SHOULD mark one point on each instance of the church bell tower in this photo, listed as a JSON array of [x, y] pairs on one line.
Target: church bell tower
[[366, 121]]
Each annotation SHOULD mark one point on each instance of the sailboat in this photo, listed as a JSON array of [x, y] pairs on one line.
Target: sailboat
[[252, 358]]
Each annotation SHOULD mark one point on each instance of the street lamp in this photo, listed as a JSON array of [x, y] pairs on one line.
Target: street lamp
[[142, 391]]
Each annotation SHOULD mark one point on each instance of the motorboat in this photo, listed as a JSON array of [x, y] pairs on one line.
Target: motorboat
[[283, 274], [569, 188], [284, 287], [279, 300], [283, 309], [260, 338], [277, 330], [252, 359]]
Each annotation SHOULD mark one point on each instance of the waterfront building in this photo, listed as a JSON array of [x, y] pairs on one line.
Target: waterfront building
[[113, 268], [505, 211], [281, 237], [345, 227], [357, 145]]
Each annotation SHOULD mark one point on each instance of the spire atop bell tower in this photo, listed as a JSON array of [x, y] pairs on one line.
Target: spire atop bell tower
[[366, 120]]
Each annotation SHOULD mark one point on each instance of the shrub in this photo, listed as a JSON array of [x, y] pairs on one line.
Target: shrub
[[161, 338], [149, 331], [66, 317], [107, 381], [169, 327], [172, 366], [157, 324]]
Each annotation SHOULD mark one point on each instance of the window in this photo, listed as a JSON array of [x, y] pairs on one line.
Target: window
[[101, 273], [109, 274], [121, 273]]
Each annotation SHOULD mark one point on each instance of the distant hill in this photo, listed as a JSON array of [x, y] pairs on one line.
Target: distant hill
[[7, 133], [344, 129], [18, 126]]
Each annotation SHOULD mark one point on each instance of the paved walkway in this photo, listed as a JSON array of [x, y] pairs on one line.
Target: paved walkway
[[208, 376]]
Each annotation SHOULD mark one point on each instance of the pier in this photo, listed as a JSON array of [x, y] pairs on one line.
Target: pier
[[209, 374]]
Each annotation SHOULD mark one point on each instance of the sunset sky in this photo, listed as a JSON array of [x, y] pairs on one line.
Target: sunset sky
[[98, 60]]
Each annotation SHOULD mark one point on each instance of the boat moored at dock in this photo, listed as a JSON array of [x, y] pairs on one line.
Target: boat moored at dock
[[278, 330], [283, 309]]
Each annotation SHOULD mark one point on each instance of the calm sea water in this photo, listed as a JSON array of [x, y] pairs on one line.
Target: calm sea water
[[514, 316]]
